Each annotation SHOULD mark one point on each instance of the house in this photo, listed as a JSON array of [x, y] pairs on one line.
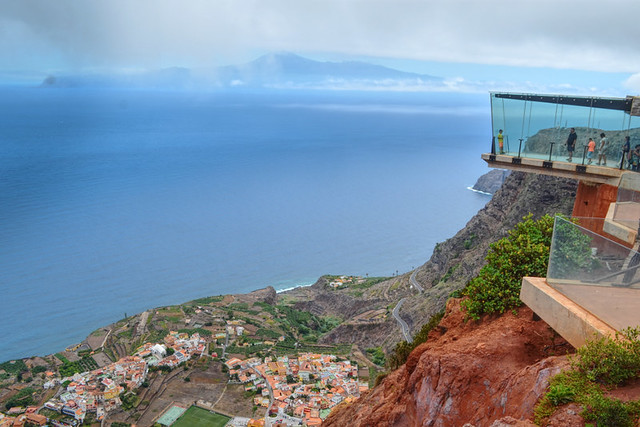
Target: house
[[36, 419], [159, 350]]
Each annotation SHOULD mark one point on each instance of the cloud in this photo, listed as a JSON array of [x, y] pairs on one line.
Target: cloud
[[633, 83], [571, 34]]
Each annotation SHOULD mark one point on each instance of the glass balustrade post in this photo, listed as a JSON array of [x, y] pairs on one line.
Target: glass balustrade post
[[551, 150], [584, 154], [520, 147]]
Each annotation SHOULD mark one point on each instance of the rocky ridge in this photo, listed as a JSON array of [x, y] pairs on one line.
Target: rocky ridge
[[487, 373], [453, 263], [473, 373]]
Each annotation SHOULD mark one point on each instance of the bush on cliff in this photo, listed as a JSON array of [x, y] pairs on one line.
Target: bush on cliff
[[524, 252], [598, 366]]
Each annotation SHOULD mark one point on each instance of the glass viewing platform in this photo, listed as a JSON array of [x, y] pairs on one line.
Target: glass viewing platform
[[530, 130], [597, 273]]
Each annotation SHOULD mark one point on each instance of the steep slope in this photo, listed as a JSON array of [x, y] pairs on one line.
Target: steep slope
[[458, 259], [473, 372], [453, 263]]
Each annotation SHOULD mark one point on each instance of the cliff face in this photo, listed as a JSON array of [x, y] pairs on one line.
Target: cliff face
[[473, 372], [459, 259], [453, 263]]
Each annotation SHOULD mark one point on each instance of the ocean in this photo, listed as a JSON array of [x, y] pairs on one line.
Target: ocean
[[116, 201]]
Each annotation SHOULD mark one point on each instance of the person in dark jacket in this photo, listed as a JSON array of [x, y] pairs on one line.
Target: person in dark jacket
[[625, 161], [571, 143]]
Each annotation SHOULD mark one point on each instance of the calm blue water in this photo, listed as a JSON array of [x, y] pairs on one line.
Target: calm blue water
[[114, 202]]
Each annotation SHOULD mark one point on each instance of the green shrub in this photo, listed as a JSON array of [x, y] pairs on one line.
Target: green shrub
[[377, 355], [13, 366], [597, 366], [609, 412], [23, 398], [524, 252], [379, 378], [559, 394], [611, 361], [38, 369]]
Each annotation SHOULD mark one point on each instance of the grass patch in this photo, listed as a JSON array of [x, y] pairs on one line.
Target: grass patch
[[238, 306], [207, 300], [268, 334], [198, 417], [62, 358]]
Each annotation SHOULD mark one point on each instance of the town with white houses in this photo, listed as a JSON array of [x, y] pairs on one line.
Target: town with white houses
[[299, 390]]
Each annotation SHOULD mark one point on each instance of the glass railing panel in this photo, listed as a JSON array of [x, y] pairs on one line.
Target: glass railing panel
[[539, 130], [581, 256], [596, 273]]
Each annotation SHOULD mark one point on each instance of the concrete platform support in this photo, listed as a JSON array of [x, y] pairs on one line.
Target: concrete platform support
[[568, 319], [593, 201]]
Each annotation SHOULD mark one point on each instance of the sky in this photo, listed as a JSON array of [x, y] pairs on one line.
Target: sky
[[555, 46]]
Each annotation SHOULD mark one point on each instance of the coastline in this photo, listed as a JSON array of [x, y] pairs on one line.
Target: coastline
[[478, 191], [290, 288], [64, 348]]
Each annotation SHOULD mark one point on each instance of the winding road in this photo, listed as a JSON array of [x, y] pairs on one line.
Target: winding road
[[403, 324], [396, 310], [414, 282]]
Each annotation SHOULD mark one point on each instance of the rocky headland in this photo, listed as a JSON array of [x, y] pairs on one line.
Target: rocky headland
[[491, 181]]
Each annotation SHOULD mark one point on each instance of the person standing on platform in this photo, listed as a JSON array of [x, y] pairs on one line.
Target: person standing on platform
[[626, 153], [501, 141], [571, 143], [634, 156], [602, 150], [591, 149]]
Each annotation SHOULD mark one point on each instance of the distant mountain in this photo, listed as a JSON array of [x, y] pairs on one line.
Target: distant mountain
[[287, 70], [272, 71]]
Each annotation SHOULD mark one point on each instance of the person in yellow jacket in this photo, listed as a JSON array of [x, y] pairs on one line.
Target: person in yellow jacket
[[501, 141]]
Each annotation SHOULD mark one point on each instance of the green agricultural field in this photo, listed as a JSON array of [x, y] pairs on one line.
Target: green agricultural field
[[196, 417]]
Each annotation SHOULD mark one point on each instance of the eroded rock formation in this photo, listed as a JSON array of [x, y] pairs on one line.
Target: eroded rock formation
[[467, 372]]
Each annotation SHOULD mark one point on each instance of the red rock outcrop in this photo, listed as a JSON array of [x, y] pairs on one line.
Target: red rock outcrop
[[467, 372]]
